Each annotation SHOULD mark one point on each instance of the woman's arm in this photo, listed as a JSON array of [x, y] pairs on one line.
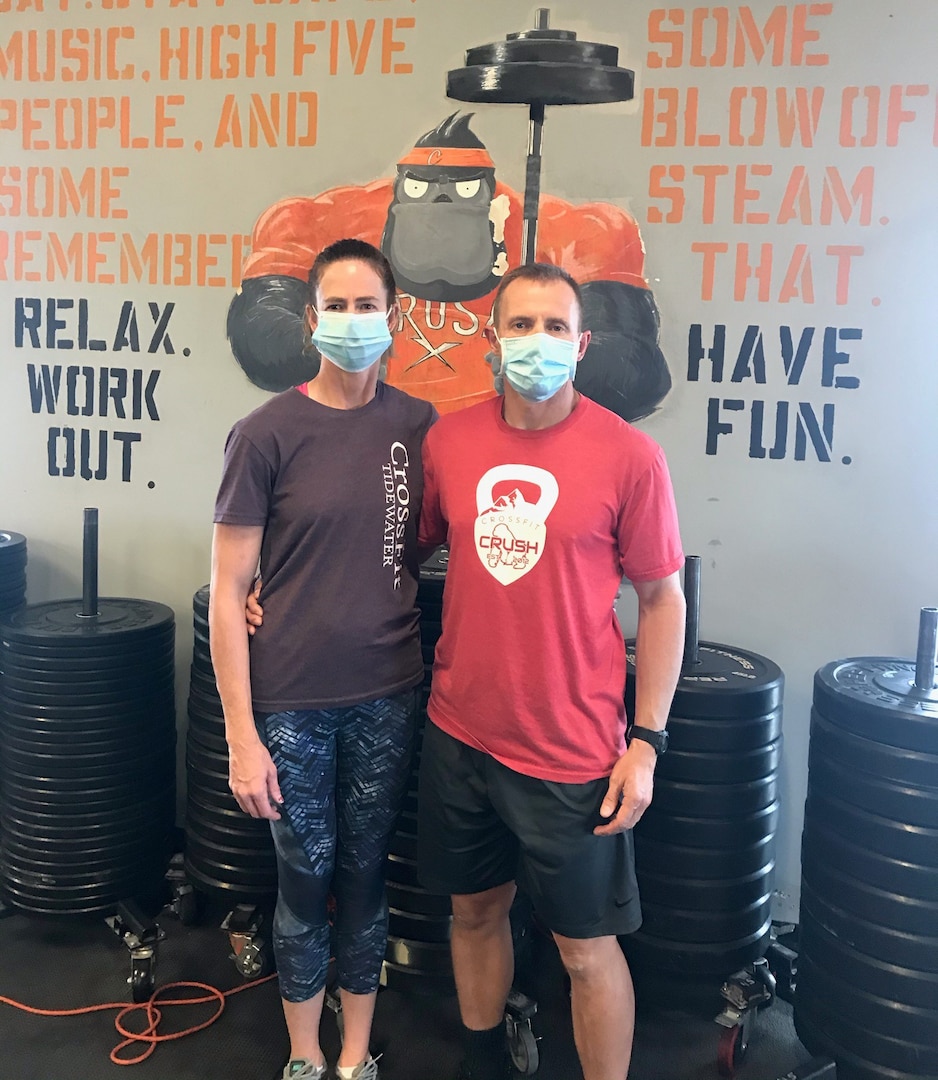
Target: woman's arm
[[252, 775]]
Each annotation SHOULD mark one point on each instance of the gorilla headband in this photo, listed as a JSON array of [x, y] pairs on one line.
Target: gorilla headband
[[456, 156]]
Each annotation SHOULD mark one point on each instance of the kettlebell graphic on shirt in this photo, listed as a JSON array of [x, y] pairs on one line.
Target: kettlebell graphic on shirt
[[513, 503]]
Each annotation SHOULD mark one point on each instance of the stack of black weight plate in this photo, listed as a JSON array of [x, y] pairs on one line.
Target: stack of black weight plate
[[228, 854], [87, 771], [418, 956], [867, 990], [12, 571], [705, 848]]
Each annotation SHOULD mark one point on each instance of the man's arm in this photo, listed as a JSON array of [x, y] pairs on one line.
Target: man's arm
[[252, 775], [659, 648]]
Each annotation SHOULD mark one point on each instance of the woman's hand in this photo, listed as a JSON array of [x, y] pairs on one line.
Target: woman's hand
[[252, 777]]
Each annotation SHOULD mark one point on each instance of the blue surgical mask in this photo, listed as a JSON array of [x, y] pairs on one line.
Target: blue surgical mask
[[538, 365], [352, 340]]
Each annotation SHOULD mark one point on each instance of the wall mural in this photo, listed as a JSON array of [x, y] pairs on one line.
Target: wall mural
[[451, 230], [765, 171]]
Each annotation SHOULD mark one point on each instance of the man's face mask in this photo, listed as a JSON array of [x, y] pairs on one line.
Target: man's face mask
[[538, 365]]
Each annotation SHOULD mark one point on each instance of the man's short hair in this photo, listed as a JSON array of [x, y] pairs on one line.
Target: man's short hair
[[360, 251], [541, 272]]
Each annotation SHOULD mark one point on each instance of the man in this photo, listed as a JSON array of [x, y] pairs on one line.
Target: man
[[545, 500]]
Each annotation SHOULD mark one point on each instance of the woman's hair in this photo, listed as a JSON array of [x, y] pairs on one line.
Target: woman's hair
[[360, 251]]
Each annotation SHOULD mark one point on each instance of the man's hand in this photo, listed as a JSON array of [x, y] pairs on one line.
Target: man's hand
[[252, 777], [630, 789], [253, 612]]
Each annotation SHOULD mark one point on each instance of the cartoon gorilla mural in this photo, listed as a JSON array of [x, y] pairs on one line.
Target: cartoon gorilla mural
[[451, 230]]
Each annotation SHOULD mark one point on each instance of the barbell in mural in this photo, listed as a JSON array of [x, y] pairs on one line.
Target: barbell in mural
[[451, 229]]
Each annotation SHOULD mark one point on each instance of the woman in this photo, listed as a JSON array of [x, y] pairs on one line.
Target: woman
[[321, 486]]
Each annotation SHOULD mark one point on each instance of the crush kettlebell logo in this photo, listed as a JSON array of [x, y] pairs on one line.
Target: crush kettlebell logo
[[513, 502]]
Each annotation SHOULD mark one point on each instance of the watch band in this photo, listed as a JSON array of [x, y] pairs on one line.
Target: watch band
[[658, 739]]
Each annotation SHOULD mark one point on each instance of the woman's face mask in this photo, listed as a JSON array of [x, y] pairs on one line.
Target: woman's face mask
[[352, 340]]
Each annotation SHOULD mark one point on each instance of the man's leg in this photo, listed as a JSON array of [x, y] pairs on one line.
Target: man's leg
[[603, 1003], [465, 850], [483, 955]]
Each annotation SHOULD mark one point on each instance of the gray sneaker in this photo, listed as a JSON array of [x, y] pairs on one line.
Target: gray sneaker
[[368, 1070], [301, 1069]]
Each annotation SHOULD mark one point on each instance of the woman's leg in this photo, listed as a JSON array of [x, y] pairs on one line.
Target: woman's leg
[[375, 750], [303, 747]]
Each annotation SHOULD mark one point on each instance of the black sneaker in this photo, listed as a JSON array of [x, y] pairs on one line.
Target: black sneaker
[[504, 1072]]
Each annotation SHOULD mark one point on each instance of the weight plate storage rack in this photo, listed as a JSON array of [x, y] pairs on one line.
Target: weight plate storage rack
[[705, 847], [12, 571], [228, 854], [418, 956], [87, 749], [867, 989]]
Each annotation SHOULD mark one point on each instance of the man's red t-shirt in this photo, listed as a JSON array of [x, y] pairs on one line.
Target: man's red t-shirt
[[541, 526]]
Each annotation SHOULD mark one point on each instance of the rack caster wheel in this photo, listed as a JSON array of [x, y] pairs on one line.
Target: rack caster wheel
[[184, 905], [522, 1044], [141, 936], [523, 1049], [142, 974], [250, 951], [734, 1043], [334, 1002], [254, 961]]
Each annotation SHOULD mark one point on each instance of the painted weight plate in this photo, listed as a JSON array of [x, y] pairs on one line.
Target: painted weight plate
[[525, 82], [551, 47]]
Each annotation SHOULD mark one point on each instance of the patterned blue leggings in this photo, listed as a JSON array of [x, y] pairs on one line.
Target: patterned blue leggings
[[342, 774]]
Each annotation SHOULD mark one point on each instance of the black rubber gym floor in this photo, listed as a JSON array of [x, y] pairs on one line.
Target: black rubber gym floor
[[67, 965]]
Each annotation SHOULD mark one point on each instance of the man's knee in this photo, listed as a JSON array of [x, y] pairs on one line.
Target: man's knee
[[588, 959], [476, 912]]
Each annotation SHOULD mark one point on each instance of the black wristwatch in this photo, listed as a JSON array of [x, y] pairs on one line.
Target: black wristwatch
[[658, 739]]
